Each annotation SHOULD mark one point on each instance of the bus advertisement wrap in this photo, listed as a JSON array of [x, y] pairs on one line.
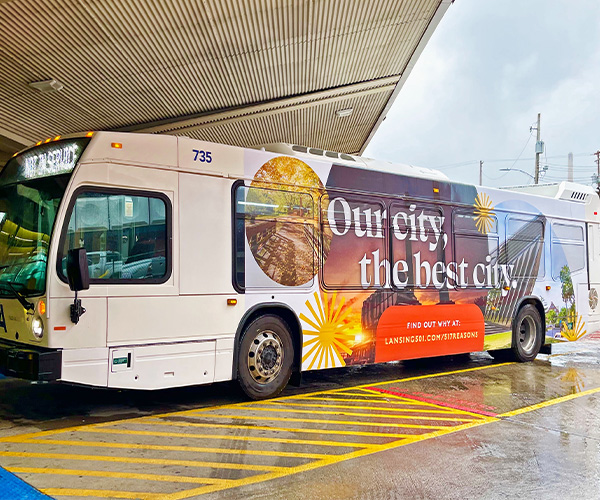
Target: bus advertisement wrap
[[414, 251]]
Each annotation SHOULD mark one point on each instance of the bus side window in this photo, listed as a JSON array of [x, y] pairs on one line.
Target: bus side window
[[476, 244], [125, 236], [278, 226], [567, 250], [524, 246]]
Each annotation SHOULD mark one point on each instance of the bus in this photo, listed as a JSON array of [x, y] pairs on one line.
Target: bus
[[138, 261]]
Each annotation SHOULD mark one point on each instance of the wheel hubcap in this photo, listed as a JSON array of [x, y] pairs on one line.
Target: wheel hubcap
[[265, 357], [527, 334]]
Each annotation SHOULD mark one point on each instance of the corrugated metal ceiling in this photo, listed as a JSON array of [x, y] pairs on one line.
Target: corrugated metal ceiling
[[238, 72]]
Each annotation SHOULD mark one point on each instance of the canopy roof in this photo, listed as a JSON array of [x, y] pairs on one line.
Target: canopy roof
[[236, 72]]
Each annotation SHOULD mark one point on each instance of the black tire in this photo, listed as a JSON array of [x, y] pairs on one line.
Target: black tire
[[528, 334], [265, 357]]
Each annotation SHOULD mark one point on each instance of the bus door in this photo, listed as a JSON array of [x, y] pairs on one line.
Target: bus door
[[592, 292]]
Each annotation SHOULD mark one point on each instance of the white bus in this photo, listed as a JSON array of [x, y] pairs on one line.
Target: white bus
[[147, 262]]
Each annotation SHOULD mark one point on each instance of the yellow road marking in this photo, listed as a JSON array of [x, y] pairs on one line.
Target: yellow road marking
[[33, 435], [225, 451], [362, 392], [435, 405], [297, 396], [333, 422], [394, 444], [391, 401], [432, 375], [422, 437], [121, 475], [350, 393], [550, 402], [314, 465], [309, 442], [69, 492], [149, 461], [353, 407], [382, 398], [353, 414], [152, 421]]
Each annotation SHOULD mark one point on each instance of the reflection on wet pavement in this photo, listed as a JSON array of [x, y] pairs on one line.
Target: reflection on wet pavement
[[504, 418]]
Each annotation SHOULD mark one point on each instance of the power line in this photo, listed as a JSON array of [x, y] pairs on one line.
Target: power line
[[499, 160]]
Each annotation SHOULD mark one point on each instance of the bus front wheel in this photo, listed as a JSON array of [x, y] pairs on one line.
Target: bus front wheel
[[528, 334], [265, 357]]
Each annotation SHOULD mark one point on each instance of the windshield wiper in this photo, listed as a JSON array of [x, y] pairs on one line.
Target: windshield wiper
[[28, 306]]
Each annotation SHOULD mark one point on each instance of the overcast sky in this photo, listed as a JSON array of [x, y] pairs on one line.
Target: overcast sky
[[487, 71]]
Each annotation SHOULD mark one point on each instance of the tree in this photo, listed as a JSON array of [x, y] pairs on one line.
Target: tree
[[551, 317], [568, 294]]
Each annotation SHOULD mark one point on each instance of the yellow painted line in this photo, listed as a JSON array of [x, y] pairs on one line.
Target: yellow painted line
[[298, 396], [353, 414], [325, 421], [149, 461], [152, 421], [194, 449], [33, 435], [121, 475], [69, 492], [346, 392], [439, 405], [433, 375], [333, 459], [422, 437], [390, 401], [551, 402], [309, 442], [354, 407], [382, 398], [410, 379]]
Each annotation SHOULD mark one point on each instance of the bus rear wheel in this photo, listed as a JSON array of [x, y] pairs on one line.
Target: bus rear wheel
[[528, 334], [265, 357]]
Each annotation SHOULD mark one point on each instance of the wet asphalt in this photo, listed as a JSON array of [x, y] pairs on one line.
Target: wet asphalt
[[455, 427]]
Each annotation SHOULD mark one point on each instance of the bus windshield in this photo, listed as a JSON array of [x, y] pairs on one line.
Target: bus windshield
[[32, 185], [27, 213]]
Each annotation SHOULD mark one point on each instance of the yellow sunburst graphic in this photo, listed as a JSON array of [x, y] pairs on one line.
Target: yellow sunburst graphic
[[329, 337], [573, 377], [576, 331], [483, 213]]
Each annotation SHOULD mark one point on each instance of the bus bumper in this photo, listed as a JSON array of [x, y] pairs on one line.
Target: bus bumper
[[30, 363]]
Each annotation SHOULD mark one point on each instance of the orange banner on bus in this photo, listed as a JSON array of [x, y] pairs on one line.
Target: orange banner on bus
[[409, 332]]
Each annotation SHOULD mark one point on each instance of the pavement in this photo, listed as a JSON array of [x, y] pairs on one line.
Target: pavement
[[461, 427]]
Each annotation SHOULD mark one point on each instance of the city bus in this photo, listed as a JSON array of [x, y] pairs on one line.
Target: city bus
[[139, 261]]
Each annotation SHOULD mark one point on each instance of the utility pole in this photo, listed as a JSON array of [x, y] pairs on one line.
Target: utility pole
[[570, 167], [536, 177], [597, 153], [481, 172]]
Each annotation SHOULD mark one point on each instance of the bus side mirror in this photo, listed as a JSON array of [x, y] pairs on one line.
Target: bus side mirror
[[78, 272], [78, 275]]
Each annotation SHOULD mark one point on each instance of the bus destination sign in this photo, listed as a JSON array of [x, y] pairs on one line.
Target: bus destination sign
[[57, 160], [54, 158]]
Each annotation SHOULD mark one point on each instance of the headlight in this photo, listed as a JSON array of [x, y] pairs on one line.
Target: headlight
[[37, 327]]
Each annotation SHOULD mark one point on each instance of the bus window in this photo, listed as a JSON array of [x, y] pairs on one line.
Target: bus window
[[418, 246], [354, 242], [279, 228], [567, 249], [475, 247], [125, 236], [524, 246]]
